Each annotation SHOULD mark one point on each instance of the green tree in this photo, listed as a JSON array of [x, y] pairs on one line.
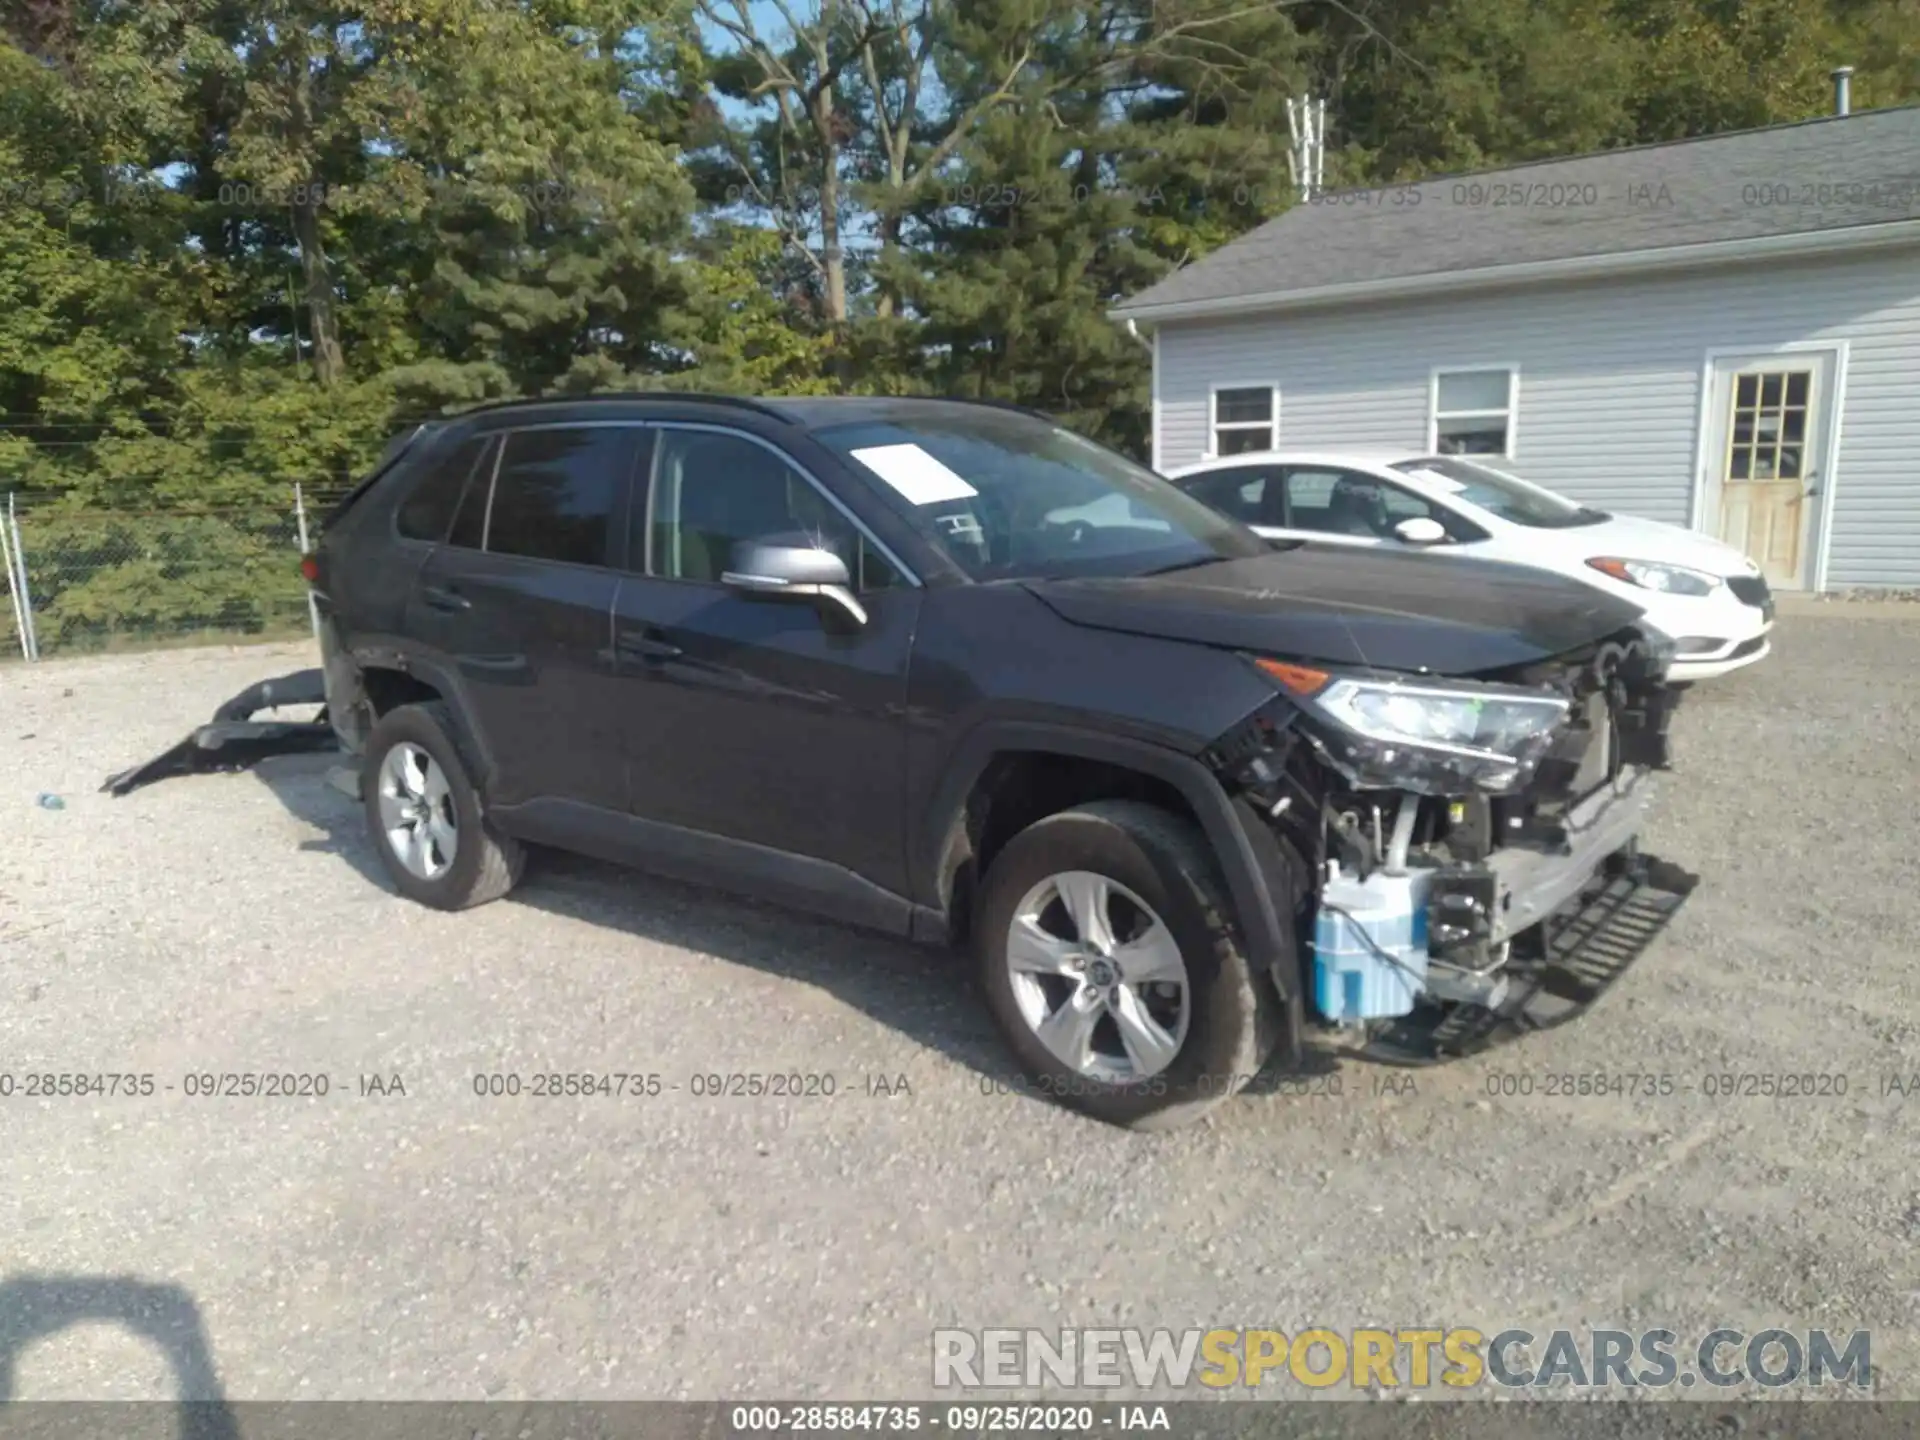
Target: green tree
[[1155, 136], [527, 205]]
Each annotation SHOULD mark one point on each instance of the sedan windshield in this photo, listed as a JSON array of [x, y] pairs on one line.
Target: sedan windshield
[[1499, 493], [1015, 497]]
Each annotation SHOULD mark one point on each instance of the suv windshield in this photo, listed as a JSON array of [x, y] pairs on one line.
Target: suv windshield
[[1501, 494], [1014, 497]]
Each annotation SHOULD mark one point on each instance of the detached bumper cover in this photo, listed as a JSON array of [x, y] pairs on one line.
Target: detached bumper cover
[[234, 740]]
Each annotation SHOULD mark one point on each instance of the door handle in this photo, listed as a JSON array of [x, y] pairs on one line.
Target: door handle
[[439, 597], [648, 646]]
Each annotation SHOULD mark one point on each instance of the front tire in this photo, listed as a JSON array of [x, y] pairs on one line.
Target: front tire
[[425, 817], [1111, 963]]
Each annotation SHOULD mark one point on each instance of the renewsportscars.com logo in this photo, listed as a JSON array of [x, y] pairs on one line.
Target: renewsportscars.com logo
[[1457, 1358]]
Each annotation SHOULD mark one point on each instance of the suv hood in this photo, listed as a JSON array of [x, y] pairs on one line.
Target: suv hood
[[1388, 610]]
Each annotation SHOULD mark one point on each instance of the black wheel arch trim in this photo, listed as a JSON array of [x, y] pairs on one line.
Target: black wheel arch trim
[[1250, 875], [445, 678]]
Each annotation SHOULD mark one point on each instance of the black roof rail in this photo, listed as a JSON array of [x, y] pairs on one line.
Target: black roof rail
[[743, 402], [1014, 406]]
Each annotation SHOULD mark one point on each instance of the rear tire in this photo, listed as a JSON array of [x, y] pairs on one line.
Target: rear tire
[[1229, 1020], [425, 817]]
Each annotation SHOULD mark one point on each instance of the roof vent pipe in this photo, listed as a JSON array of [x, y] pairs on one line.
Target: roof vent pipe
[[1843, 90]]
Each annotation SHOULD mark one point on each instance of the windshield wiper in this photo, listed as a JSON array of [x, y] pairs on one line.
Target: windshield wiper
[[1182, 565]]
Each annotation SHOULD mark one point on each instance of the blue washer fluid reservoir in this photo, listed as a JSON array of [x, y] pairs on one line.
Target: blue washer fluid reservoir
[[1351, 980]]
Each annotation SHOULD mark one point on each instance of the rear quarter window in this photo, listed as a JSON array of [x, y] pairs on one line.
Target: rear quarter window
[[390, 456]]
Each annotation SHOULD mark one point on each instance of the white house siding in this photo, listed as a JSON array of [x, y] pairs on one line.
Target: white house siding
[[1609, 394]]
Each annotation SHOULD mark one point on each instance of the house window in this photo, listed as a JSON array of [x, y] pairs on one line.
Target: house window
[[1473, 412], [1245, 420], [1769, 425]]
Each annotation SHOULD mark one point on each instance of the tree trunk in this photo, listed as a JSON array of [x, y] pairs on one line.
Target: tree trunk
[[832, 257], [892, 222], [329, 363], [889, 248]]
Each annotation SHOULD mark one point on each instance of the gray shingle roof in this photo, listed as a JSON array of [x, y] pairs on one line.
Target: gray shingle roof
[[1835, 173]]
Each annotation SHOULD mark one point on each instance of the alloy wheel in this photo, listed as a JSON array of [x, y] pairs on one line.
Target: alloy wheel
[[1098, 977], [416, 811]]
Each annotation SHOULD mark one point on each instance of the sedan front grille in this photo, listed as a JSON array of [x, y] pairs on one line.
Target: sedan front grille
[[1749, 589]]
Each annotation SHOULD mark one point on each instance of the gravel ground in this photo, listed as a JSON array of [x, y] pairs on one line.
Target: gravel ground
[[436, 1244]]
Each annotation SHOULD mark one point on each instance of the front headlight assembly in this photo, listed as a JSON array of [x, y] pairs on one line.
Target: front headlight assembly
[[1432, 737], [1652, 575]]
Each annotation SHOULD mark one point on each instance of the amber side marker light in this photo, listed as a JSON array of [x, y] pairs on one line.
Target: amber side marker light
[[1295, 679]]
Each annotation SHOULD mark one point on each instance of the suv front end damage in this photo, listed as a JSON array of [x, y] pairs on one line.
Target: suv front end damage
[[1469, 847]]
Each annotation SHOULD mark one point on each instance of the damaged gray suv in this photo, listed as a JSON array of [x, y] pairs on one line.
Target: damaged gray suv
[[950, 671]]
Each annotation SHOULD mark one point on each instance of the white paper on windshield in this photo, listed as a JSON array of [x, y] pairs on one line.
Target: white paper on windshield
[[1441, 482], [914, 473]]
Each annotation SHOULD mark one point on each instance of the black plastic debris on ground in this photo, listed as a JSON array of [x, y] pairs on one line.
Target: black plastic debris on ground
[[233, 739]]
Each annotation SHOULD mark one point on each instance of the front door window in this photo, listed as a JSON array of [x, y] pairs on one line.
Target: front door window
[[1345, 502], [713, 492]]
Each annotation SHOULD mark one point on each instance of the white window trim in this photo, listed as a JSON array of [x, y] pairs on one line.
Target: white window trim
[[1213, 416], [1154, 426], [1511, 414]]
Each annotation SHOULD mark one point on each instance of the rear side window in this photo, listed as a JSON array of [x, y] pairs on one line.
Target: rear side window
[[428, 509], [470, 525], [1246, 492], [557, 490]]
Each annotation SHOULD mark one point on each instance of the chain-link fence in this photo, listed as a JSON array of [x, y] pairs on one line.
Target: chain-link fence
[[79, 578]]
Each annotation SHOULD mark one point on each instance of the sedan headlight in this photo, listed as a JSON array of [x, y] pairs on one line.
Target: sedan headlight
[[1653, 575], [1440, 737]]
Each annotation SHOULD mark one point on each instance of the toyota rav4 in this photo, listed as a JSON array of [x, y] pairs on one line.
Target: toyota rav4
[[953, 672]]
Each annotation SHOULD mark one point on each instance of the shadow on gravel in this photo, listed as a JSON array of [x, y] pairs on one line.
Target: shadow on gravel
[[36, 1307], [299, 782], [924, 993]]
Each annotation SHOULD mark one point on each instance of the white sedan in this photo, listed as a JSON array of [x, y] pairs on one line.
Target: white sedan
[[1710, 598]]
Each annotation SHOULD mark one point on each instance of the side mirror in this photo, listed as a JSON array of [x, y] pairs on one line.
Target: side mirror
[[792, 565], [1421, 530]]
